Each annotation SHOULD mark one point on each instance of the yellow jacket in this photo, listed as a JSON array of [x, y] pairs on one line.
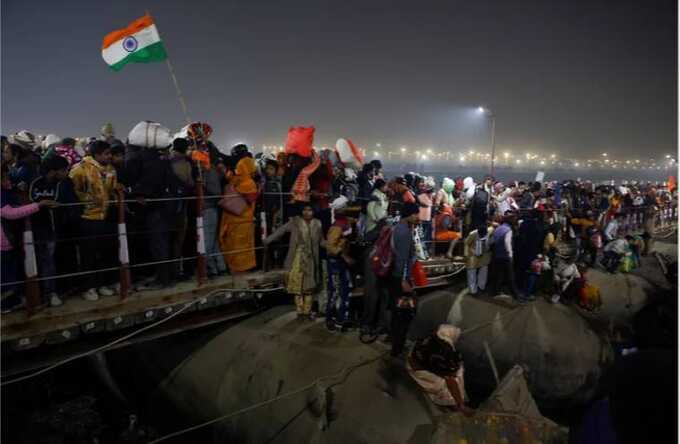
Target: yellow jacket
[[336, 244], [94, 183]]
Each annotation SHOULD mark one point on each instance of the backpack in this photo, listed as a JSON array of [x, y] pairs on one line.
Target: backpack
[[480, 201], [382, 254]]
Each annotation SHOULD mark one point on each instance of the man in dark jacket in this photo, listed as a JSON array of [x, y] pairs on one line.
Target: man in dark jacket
[[402, 302], [151, 169], [180, 186], [502, 262], [49, 221]]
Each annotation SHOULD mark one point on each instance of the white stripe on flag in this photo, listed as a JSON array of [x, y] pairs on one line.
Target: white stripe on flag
[[116, 52]]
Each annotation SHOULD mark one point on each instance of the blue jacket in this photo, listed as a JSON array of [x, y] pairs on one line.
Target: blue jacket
[[404, 251], [499, 249]]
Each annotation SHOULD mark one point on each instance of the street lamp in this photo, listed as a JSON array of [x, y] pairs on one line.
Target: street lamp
[[492, 116]]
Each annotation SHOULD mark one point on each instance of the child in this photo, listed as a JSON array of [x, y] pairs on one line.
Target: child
[[339, 281], [10, 210]]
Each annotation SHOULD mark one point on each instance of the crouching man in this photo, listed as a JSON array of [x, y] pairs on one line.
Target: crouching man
[[437, 367]]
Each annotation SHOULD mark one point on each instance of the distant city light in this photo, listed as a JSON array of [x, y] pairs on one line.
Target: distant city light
[[403, 150], [552, 156], [604, 154], [576, 164]]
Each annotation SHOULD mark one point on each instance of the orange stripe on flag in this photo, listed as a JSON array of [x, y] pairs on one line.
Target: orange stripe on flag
[[134, 27]]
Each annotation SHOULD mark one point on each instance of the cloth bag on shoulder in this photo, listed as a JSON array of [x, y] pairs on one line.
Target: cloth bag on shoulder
[[232, 201], [149, 134]]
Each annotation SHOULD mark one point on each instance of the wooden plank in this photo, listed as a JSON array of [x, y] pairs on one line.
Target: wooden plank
[[77, 316], [32, 360]]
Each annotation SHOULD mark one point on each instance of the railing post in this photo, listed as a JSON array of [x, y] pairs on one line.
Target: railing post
[[32, 288], [265, 250], [201, 263], [123, 252]]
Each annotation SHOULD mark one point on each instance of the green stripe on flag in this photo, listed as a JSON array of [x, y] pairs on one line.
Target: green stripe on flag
[[152, 53]]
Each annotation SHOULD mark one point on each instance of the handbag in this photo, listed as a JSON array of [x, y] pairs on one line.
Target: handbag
[[232, 201]]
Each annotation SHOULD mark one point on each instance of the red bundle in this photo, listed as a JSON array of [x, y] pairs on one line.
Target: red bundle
[[418, 274], [300, 141]]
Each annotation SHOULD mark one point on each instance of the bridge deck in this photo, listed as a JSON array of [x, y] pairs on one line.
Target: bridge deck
[[76, 317]]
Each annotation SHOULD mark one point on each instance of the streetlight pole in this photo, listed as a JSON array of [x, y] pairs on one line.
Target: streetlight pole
[[493, 143], [492, 116]]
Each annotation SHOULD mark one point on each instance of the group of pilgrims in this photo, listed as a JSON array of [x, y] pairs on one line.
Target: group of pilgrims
[[328, 217]]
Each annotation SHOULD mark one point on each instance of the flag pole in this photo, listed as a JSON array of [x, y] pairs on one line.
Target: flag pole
[[180, 97], [178, 91]]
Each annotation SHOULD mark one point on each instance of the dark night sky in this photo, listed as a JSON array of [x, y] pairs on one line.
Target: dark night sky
[[578, 77]]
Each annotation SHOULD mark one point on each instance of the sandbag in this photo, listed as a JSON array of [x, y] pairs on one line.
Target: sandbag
[[589, 297], [300, 141], [627, 264], [348, 153], [564, 356], [50, 140], [149, 134]]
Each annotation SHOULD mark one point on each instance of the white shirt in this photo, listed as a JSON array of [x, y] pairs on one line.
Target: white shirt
[[611, 229], [618, 246]]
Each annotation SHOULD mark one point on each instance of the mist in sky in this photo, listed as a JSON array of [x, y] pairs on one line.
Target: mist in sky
[[577, 77]]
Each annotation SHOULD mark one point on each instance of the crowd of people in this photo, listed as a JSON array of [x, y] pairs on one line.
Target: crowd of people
[[330, 210], [333, 216]]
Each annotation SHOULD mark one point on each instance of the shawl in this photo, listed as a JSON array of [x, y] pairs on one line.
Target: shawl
[[301, 186], [243, 179]]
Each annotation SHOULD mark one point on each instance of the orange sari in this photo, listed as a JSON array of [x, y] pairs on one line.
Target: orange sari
[[237, 233]]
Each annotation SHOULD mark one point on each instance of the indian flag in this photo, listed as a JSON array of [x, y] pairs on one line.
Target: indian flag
[[138, 43]]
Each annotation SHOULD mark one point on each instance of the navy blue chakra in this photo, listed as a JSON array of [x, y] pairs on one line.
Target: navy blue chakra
[[130, 44]]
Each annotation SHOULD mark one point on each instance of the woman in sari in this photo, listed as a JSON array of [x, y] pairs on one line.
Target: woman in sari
[[237, 232], [302, 260], [437, 367]]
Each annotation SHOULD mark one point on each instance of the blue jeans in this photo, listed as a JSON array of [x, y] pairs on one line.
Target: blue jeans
[[338, 287], [426, 227], [44, 254], [9, 263], [531, 283]]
